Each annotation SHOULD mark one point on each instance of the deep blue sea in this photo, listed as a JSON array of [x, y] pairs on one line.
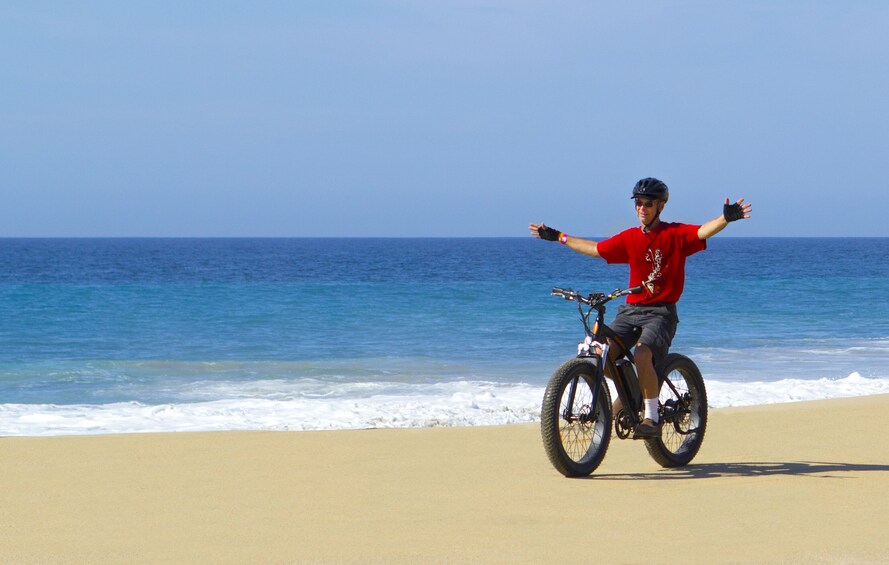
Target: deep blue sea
[[133, 335]]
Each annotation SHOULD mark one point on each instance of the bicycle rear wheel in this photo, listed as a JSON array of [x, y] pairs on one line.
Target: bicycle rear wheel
[[683, 407], [575, 433]]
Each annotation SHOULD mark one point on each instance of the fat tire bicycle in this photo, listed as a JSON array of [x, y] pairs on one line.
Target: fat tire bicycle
[[576, 416]]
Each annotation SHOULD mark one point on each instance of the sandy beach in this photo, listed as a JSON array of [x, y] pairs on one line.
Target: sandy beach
[[793, 483]]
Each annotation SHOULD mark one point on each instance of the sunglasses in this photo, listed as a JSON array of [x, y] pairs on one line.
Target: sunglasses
[[645, 203]]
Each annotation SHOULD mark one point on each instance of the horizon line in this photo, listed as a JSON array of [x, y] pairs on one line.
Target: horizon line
[[597, 238]]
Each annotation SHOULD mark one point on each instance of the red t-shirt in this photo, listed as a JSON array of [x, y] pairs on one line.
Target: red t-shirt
[[656, 259]]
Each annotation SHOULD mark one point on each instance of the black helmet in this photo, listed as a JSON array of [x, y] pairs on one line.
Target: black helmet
[[651, 188]]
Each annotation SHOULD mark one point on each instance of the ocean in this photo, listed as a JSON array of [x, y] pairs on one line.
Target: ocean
[[154, 335]]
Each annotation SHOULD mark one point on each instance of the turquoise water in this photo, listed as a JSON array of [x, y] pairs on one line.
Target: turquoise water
[[114, 335]]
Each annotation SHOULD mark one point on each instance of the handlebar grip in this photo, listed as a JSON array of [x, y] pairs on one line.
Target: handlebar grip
[[635, 289], [565, 293]]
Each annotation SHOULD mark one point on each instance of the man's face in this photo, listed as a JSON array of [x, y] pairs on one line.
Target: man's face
[[647, 209]]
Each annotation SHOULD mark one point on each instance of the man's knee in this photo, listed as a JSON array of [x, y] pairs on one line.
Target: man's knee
[[644, 354]]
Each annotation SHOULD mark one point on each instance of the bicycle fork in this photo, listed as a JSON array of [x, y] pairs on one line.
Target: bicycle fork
[[591, 415]]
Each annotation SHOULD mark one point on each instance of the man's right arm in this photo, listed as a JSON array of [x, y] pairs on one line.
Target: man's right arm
[[585, 246]]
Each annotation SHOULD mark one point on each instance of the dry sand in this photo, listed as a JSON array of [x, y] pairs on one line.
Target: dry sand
[[793, 483]]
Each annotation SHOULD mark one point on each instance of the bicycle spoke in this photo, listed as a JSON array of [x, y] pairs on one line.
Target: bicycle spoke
[[684, 412], [575, 433]]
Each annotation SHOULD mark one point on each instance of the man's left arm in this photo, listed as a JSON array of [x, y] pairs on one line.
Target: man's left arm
[[730, 213]]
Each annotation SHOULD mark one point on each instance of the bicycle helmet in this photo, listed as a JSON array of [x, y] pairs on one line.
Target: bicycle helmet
[[651, 188]]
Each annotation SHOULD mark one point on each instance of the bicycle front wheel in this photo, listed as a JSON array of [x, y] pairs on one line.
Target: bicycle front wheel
[[683, 412], [575, 433]]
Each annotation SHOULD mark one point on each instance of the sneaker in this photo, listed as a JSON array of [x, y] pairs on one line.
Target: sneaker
[[647, 429]]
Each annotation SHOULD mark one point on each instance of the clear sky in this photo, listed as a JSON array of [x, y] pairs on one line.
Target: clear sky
[[439, 117]]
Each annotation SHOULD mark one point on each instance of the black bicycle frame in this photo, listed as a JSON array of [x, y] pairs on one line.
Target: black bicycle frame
[[621, 383]]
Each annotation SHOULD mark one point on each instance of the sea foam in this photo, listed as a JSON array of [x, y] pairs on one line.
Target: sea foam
[[457, 403]]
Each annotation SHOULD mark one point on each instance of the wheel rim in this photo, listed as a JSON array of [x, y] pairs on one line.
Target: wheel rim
[[579, 434], [679, 432]]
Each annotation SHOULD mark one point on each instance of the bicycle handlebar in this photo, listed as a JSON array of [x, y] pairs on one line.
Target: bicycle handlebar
[[596, 298]]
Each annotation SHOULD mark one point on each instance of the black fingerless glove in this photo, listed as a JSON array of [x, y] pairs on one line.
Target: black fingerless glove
[[548, 233], [732, 212]]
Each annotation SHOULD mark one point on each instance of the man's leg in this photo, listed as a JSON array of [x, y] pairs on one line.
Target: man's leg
[[657, 325], [648, 384], [647, 375], [613, 352]]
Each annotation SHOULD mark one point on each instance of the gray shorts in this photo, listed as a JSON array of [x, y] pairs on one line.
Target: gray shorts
[[651, 324]]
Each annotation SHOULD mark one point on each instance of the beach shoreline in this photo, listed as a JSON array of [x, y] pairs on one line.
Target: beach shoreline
[[800, 482]]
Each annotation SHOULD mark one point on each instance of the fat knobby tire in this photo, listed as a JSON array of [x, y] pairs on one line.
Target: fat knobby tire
[[575, 447], [679, 442]]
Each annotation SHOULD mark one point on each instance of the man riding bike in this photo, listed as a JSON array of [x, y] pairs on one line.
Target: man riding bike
[[656, 253]]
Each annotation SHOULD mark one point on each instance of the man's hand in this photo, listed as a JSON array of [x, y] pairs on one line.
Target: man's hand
[[730, 213], [542, 231], [736, 211]]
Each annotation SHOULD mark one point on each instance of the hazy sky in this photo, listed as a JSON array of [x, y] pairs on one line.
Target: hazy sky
[[439, 117]]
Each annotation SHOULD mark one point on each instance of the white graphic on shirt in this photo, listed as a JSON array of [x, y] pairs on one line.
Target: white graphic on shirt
[[654, 257]]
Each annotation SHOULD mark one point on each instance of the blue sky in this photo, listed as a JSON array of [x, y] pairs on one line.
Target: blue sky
[[439, 118]]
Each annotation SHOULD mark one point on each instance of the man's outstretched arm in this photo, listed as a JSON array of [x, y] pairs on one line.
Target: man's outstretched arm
[[730, 213], [585, 246]]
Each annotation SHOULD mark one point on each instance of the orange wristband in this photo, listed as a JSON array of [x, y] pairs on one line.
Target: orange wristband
[[563, 238]]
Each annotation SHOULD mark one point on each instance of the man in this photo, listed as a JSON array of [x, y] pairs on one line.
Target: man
[[656, 252]]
